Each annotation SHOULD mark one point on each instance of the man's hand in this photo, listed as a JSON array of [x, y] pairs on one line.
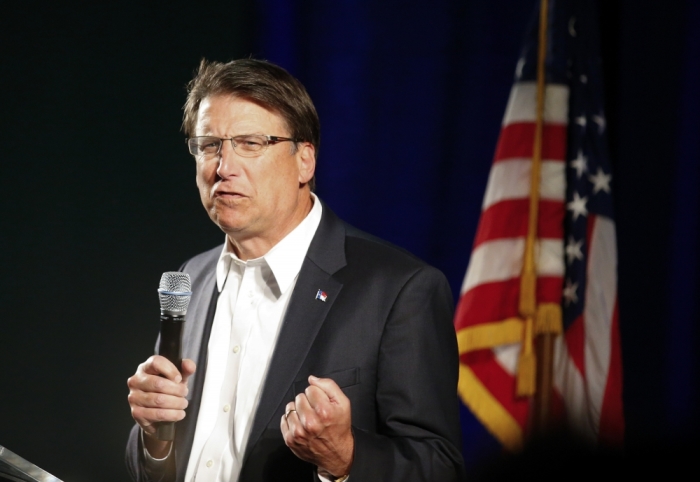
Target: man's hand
[[157, 394], [316, 426]]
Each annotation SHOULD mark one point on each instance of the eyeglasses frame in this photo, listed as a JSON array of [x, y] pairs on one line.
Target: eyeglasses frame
[[270, 140]]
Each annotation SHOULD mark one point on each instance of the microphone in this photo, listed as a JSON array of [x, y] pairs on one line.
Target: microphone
[[174, 293]]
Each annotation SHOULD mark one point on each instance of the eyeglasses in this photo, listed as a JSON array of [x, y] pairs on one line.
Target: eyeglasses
[[245, 146]]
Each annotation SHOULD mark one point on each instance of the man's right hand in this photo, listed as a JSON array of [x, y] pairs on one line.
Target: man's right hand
[[157, 393]]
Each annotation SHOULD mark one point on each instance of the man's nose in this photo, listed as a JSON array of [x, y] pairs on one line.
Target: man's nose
[[229, 160]]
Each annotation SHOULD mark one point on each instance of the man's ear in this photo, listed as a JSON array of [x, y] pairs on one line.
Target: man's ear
[[306, 160]]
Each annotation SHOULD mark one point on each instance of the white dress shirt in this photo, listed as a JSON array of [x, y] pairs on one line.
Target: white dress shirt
[[253, 299]]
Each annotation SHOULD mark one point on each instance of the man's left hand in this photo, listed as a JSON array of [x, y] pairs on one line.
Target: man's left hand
[[316, 426]]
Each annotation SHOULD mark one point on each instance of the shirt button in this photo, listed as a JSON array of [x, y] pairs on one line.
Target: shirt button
[[236, 349], [227, 408], [210, 463]]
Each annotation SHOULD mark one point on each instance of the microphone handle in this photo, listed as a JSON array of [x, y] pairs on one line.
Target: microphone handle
[[171, 348]]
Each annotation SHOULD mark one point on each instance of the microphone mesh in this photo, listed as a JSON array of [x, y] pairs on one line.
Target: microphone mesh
[[174, 291]]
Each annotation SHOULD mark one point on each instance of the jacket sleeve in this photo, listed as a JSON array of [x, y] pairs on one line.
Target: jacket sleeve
[[139, 469], [418, 432]]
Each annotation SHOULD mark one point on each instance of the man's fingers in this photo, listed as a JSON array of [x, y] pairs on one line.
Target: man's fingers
[[316, 397], [327, 399], [158, 374], [317, 428], [161, 366], [157, 384], [284, 422], [328, 386], [303, 420], [148, 408], [148, 416], [157, 400], [188, 368], [292, 426], [289, 409], [157, 391], [323, 404], [311, 418]]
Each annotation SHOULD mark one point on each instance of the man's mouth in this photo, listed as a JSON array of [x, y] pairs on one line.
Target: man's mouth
[[226, 195]]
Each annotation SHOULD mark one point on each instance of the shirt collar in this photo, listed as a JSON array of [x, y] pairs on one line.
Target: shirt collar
[[284, 259]]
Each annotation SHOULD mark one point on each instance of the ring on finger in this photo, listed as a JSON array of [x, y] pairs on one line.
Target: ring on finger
[[286, 415]]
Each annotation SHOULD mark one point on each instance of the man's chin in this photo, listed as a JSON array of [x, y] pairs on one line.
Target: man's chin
[[232, 225], [228, 226], [224, 217]]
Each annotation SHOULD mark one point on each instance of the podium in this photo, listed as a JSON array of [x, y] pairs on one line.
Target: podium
[[16, 469]]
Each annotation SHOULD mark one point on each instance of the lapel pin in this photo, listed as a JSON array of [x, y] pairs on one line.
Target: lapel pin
[[321, 295]]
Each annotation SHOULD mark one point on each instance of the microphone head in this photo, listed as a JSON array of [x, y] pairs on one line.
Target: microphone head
[[174, 293]]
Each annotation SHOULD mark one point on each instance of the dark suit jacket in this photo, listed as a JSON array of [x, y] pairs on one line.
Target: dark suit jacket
[[384, 334]]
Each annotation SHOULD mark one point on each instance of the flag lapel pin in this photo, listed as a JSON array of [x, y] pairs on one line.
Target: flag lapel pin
[[321, 295]]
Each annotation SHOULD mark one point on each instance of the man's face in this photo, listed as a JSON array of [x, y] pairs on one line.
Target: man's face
[[255, 200]]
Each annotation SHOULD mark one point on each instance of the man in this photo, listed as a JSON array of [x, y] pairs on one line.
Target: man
[[322, 352]]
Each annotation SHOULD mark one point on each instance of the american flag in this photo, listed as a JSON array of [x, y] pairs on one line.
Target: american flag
[[575, 248]]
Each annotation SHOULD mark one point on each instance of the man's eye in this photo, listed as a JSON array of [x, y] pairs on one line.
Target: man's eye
[[209, 146], [249, 143]]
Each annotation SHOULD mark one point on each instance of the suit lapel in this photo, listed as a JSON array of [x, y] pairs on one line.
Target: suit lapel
[[197, 320], [305, 316], [200, 317]]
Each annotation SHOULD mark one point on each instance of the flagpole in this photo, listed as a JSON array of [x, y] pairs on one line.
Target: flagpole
[[527, 365], [536, 357], [544, 346]]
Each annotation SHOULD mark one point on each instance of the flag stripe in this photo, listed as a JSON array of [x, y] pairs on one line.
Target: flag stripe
[[516, 211], [574, 339], [497, 418], [612, 425], [502, 260], [501, 383], [508, 356], [601, 295], [569, 382], [511, 180], [488, 335], [502, 299], [516, 142], [522, 104]]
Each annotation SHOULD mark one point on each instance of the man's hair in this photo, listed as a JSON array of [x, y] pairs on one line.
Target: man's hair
[[261, 82]]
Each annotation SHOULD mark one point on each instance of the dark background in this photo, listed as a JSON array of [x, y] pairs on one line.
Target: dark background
[[97, 193]]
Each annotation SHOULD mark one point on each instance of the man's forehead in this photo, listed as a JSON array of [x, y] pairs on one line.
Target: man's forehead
[[235, 101], [236, 108]]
